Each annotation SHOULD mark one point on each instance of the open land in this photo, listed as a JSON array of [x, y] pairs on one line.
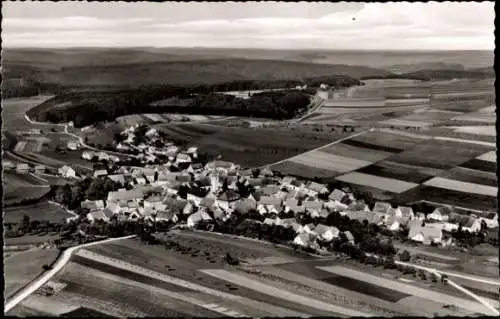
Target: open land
[[25, 266], [38, 211]]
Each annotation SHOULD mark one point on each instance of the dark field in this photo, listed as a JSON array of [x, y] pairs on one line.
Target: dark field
[[472, 176], [449, 197], [300, 170], [480, 165], [127, 274], [359, 286], [86, 313], [370, 146], [406, 174]]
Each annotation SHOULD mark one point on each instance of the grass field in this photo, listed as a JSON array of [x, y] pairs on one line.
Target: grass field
[[388, 184], [30, 239], [21, 268], [40, 211]]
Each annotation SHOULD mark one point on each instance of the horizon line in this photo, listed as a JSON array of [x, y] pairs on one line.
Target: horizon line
[[241, 48]]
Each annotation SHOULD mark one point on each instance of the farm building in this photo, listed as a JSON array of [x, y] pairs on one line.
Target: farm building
[[440, 214], [39, 169], [196, 218], [92, 204], [425, 234], [67, 172], [118, 178], [73, 146], [8, 165], [22, 168], [183, 158], [100, 173]]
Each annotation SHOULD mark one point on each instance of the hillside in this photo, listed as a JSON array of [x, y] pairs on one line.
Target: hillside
[[409, 68]]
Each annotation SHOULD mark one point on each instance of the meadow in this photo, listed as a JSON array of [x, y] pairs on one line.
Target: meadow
[[39, 211]]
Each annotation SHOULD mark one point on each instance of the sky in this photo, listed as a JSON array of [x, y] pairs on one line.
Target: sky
[[271, 25]]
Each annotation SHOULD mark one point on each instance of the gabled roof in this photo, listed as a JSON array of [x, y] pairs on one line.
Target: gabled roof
[[101, 172], [349, 235], [245, 205], [316, 205], [317, 187], [382, 207], [360, 215], [291, 202], [406, 211], [336, 195], [287, 180], [270, 189], [132, 194], [98, 214], [267, 200], [444, 211], [229, 196], [207, 202], [119, 178]]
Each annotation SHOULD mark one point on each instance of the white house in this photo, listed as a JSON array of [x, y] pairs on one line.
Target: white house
[[473, 225], [87, 155], [197, 217], [67, 172], [92, 204], [425, 234], [326, 233], [304, 240], [440, 214], [39, 169], [195, 199], [72, 146], [183, 158], [100, 173]]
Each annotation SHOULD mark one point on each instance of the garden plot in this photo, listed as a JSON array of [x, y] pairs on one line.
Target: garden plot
[[388, 184], [326, 161], [482, 130], [408, 289], [459, 186]]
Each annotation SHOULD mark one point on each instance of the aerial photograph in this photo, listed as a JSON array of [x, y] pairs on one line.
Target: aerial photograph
[[249, 159]]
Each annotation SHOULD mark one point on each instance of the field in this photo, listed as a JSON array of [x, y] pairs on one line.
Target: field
[[18, 187], [23, 267], [13, 111], [40, 211], [462, 186]]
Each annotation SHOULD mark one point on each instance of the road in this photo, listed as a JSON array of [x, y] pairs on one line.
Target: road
[[318, 148], [59, 264], [79, 138]]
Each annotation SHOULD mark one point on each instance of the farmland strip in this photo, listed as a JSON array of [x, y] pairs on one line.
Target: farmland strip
[[331, 162], [451, 197], [391, 185], [301, 170], [408, 289], [399, 173], [459, 186], [480, 165], [472, 176], [356, 152], [270, 290], [370, 146], [107, 268]]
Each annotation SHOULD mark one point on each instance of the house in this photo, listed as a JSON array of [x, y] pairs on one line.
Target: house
[[196, 218], [97, 215], [287, 180], [67, 172], [40, 169], [72, 146], [292, 204], [266, 172], [360, 216], [183, 158], [152, 132], [167, 216], [425, 234], [270, 190], [183, 178], [100, 173], [269, 221], [326, 233], [268, 200], [312, 205], [491, 222], [407, 214], [92, 204], [87, 155], [309, 228], [175, 205], [337, 206], [207, 202], [392, 222], [349, 237], [118, 178], [305, 240], [226, 198], [188, 209], [102, 156], [8, 165], [440, 214], [194, 199], [228, 166], [245, 205], [382, 207], [473, 225], [155, 204], [22, 168], [317, 188], [357, 205], [125, 195], [192, 150], [336, 195], [290, 223]]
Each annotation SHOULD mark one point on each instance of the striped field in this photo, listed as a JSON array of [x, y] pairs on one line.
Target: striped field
[[465, 187]]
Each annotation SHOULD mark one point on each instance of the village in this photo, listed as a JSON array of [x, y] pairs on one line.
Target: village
[[185, 191]]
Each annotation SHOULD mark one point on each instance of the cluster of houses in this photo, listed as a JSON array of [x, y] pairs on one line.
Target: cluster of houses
[[100, 156], [149, 150], [23, 168], [154, 196]]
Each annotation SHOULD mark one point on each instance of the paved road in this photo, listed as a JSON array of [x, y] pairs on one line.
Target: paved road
[[40, 281]]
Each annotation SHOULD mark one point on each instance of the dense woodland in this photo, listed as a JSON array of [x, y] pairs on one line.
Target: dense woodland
[[85, 108]]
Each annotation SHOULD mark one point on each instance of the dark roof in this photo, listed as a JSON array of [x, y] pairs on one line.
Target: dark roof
[[229, 196]]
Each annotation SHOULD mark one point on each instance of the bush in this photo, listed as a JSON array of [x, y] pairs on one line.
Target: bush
[[405, 256]]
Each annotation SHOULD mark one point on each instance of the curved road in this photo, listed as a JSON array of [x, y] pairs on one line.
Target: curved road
[[40, 281]]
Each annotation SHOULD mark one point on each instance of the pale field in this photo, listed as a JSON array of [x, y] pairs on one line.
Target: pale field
[[355, 103], [482, 130], [462, 186], [155, 117], [48, 305], [490, 156], [335, 163], [23, 267], [434, 296], [432, 308], [283, 294], [388, 184], [402, 122]]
